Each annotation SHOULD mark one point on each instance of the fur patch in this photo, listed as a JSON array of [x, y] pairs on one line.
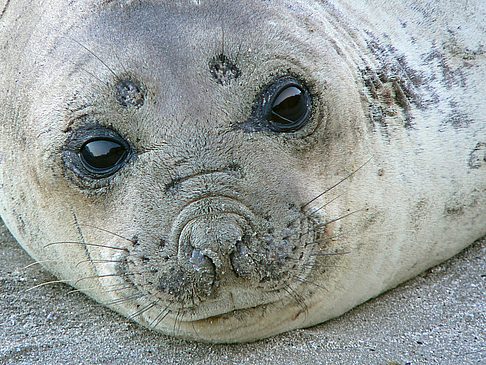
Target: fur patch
[[392, 86]]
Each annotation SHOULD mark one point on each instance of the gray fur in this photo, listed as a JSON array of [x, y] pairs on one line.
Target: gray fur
[[398, 115]]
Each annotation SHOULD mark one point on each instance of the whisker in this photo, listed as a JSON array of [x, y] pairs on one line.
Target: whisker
[[85, 244], [118, 60], [336, 267], [331, 253], [96, 277], [37, 263], [97, 262], [124, 300], [175, 322], [297, 298], [194, 293], [341, 217], [318, 209], [115, 288], [111, 275], [178, 322], [96, 56], [107, 231], [195, 330], [366, 234], [48, 283], [305, 281], [142, 310], [160, 317], [324, 224], [89, 73], [388, 232], [336, 184], [312, 265], [325, 205]]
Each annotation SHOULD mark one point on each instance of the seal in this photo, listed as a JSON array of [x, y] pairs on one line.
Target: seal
[[224, 171]]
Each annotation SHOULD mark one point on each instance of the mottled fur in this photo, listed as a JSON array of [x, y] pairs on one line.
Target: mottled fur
[[399, 113]]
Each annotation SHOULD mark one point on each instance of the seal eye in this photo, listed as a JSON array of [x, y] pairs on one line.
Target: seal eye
[[290, 106], [103, 157]]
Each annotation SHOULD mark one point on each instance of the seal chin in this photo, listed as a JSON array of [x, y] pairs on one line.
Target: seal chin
[[238, 325]]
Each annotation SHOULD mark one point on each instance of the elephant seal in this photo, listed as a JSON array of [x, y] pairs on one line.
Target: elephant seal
[[224, 171]]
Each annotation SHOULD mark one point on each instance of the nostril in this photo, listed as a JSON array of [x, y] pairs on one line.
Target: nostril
[[197, 258], [201, 262], [241, 261]]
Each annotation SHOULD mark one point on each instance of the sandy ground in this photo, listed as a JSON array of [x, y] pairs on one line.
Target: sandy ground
[[437, 318]]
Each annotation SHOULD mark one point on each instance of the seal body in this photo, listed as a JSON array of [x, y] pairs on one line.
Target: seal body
[[226, 171]]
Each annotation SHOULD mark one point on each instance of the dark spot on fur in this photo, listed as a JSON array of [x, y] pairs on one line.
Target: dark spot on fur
[[21, 225], [336, 47], [454, 46], [477, 158], [223, 69], [451, 61], [119, 3], [129, 93], [420, 213], [454, 210], [401, 99], [471, 55], [307, 23], [392, 86], [457, 118], [5, 8], [451, 76]]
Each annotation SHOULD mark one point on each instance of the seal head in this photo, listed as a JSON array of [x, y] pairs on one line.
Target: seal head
[[226, 180]]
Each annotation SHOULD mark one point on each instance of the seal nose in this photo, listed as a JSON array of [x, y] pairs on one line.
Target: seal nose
[[212, 237], [212, 240]]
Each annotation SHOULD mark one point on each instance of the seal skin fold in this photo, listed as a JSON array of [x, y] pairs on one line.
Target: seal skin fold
[[215, 225]]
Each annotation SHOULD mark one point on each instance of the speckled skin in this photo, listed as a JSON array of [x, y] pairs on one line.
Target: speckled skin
[[398, 115]]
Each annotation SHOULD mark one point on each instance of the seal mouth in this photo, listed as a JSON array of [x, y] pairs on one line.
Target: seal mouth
[[212, 319], [222, 259], [234, 302]]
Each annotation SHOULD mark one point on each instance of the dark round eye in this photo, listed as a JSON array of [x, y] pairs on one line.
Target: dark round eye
[[103, 157], [290, 107]]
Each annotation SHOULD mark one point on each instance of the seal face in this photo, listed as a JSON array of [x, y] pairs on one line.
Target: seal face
[[215, 248], [229, 181]]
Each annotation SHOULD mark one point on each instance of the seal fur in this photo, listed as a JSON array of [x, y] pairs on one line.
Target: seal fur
[[218, 229]]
